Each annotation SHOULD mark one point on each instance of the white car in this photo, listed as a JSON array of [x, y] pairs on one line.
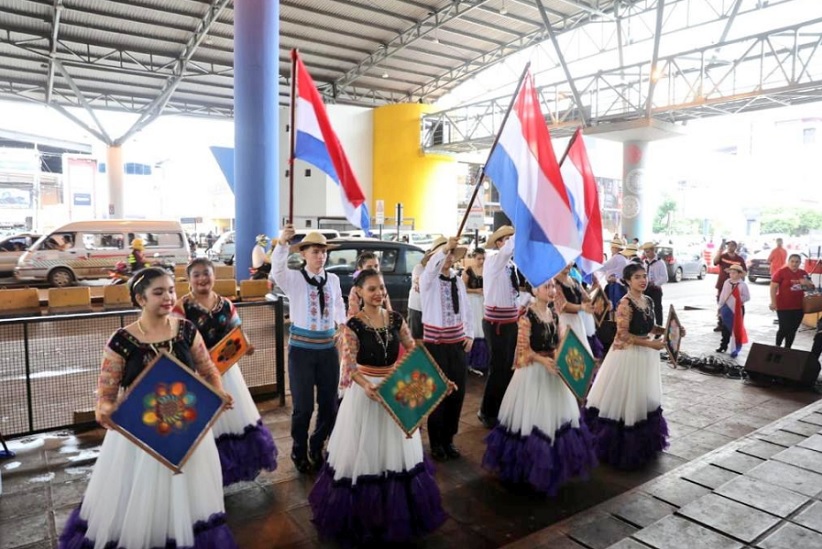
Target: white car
[[224, 248]]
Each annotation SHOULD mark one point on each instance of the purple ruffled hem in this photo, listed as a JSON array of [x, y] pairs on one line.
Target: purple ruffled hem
[[628, 447], [394, 507], [597, 349], [537, 460], [208, 534], [480, 355], [242, 457]]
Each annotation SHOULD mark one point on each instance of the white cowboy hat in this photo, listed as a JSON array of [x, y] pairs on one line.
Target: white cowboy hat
[[311, 239], [502, 232], [458, 252]]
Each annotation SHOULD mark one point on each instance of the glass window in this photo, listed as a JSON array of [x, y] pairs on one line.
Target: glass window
[[412, 259], [58, 241], [159, 240], [14, 245], [342, 261], [388, 260], [103, 241]]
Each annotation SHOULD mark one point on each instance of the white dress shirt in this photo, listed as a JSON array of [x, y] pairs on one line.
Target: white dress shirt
[[614, 266], [304, 306], [440, 323], [496, 277], [414, 301], [258, 256], [657, 271]]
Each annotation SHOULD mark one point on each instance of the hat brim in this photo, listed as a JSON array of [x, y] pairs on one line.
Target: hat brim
[[298, 247], [459, 252], [499, 233]]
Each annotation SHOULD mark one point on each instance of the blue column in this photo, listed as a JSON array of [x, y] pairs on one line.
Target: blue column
[[256, 125]]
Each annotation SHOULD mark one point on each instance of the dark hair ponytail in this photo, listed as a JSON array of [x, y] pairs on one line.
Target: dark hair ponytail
[[142, 280]]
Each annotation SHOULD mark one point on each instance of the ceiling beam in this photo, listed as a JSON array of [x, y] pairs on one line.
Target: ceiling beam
[[654, 76], [55, 26]]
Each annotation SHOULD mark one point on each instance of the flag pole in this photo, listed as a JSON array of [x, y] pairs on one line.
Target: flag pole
[[577, 133], [481, 177], [293, 136]]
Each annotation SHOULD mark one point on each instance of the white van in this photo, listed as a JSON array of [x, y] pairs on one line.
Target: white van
[[89, 249]]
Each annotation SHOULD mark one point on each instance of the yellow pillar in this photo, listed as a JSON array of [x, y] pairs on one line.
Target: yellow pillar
[[425, 184]]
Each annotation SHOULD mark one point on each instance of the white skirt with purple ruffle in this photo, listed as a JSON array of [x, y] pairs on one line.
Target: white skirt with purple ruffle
[[376, 486], [624, 408], [540, 439], [245, 445]]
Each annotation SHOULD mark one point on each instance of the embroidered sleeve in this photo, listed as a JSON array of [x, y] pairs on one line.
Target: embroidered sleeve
[[353, 302], [623, 321], [234, 319], [351, 347], [111, 373], [560, 301], [524, 354], [405, 335], [202, 361]]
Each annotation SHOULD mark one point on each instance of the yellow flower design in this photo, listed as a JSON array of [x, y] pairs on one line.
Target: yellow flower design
[[575, 363], [414, 389]]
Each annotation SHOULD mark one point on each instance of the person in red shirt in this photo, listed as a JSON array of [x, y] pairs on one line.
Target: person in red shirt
[[777, 257], [788, 287]]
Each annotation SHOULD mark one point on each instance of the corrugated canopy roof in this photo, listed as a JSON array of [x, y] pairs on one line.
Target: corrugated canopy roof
[[176, 56]]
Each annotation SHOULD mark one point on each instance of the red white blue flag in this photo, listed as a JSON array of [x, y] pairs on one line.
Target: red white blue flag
[[582, 189], [524, 169], [317, 144]]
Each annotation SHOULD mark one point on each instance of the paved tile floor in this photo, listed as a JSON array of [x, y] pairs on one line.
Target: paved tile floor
[[714, 501]]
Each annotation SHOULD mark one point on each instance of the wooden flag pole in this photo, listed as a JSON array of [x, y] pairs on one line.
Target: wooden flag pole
[[481, 177], [577, 133], [291, 163]]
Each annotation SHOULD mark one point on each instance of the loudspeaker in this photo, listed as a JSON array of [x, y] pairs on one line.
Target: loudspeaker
[[787, 364]]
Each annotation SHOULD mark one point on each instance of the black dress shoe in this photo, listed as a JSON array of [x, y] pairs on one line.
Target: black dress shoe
[[317, 459], [486, 422], [718, 329], [721, 349], [438, 453], [452, 452], [301, 463]]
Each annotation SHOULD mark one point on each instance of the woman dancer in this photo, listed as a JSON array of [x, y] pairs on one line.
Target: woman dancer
[[133, 500], [624, 410], [246, 446], [572, 302], [375, 487], [540, 439], [472, 277], [788, 287], [366, 260]]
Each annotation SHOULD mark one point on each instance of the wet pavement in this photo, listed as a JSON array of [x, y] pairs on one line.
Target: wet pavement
[[707, 416]]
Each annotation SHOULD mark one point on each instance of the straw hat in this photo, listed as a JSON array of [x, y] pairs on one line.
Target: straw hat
[[617, 242], [312, 239], [502, 232], [648, 246], [736, 268], [458, 253], [629, 251]]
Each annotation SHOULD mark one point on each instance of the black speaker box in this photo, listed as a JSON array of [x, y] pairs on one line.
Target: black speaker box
[[786, 364]]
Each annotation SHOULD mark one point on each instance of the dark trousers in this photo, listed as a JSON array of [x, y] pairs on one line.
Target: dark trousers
[[415, 323], [789, 322], [726, 333], [443, 423], [816, 350], [502, 342], [307, 369], [655, 293]]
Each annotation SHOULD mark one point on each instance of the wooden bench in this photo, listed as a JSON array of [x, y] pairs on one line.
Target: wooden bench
[[253, 289], [76, 299], [19, 302], [181, 288], [226, 287], [223, 272], [180, 272], [116, 297]]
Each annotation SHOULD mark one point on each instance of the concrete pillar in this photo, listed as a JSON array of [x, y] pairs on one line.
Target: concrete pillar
[[116, 175], [256, 105], [637, 214]]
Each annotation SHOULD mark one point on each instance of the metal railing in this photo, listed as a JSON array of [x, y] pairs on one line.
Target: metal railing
[[49, 365]]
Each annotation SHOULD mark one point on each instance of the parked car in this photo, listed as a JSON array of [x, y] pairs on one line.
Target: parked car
[[759, 269], [90, 249], [11, 248], [223, 249], [397, 260], [422, 239], [683, 262]]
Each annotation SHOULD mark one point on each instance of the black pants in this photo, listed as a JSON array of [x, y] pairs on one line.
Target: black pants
[[789, 322], [726, 333], [816, 350], [655, 293], [415, 323], [309, 368], [502, 342], [443, 423]]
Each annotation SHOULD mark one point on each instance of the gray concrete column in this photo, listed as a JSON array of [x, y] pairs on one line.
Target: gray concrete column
[[116, 175]]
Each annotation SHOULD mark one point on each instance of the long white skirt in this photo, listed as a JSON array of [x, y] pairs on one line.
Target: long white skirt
[[376, 485], [134, 501], [477, 304], [540, 438], [624, 408], [574, 321], [245, 445]]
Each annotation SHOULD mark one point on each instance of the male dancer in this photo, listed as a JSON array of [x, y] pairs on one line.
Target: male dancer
[[316, 309], [501, 289], [657, 276], [446, 319]]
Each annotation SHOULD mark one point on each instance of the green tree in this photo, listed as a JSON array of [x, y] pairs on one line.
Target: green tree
[[793, 222], [661, 221]]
